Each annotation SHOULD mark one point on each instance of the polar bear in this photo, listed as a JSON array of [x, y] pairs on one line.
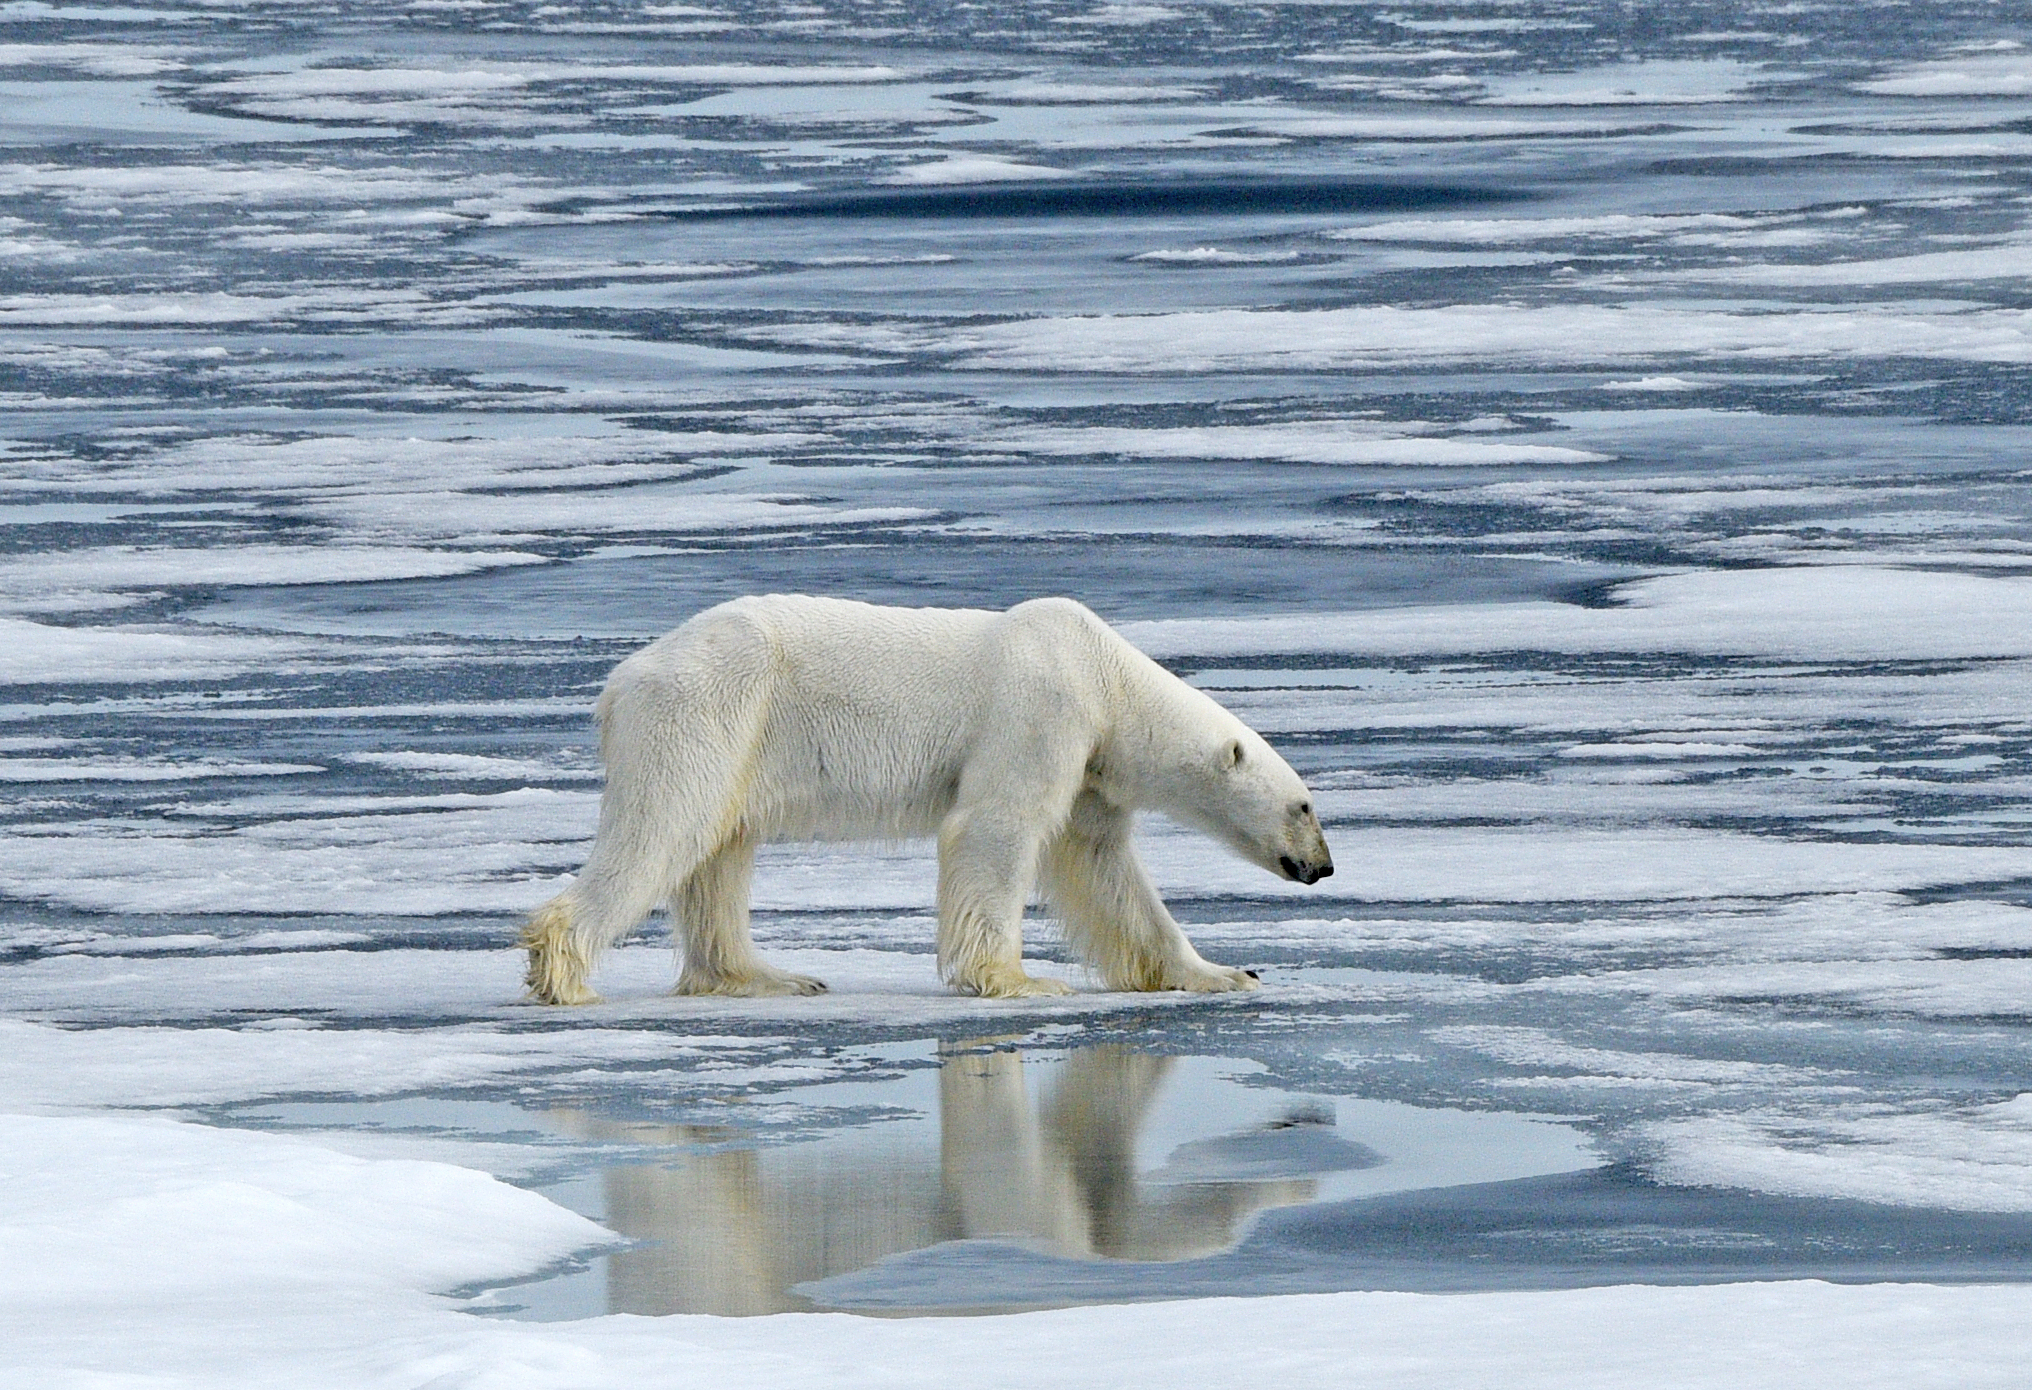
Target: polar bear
[[1025, 740]]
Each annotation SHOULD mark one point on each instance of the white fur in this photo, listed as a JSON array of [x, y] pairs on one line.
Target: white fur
[[1024, 740]]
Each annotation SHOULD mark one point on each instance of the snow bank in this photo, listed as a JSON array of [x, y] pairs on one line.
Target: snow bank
[[138, 1208], [139, 1251]]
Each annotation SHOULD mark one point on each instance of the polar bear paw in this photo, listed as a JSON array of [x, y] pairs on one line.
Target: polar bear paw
[[761, 984], [1012, 983], [569, 992], [1214, 979]]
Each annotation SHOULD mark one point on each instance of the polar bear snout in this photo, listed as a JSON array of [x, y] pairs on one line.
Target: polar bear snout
[[1306, 859], [1305, 873]]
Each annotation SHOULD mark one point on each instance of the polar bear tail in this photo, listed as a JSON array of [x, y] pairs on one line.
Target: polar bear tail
[[560, 957]]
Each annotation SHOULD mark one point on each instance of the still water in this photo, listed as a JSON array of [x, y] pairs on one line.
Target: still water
[[977, 1176], [995, 1157]]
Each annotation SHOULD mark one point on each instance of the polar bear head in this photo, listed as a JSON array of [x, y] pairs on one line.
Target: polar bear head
[[1216, 774], [1259, 807]]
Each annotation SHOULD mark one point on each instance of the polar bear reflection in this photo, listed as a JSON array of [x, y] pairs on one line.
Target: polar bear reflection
[[734, 1231]]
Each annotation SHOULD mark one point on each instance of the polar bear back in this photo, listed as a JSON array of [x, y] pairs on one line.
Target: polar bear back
[[832, 719]]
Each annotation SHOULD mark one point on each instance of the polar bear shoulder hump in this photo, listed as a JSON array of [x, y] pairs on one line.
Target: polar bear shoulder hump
[[794, 623]]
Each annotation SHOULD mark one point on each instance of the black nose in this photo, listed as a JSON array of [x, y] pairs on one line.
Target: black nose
[[1302, 873]]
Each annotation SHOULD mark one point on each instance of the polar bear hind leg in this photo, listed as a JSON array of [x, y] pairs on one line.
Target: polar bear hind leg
[[710, 913], [1112, 915], [614, 892], [559, 958], [670, 803]]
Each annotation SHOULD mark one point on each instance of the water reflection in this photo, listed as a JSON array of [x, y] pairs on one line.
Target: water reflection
[[1043, 1155]]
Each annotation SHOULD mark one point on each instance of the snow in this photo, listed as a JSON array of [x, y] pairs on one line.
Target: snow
[[464, 765], [887, 988], [47, 310], [1054, 91], [369, 464], [35, 654], [1977, 1159], [85, 579], [237, 183], [145, 1225], [491, 93], [1213, 255], [1320, 441], [1505, 230], [314, 81], [106, 60], [455, 515], [499, 852], [79, 770], [1448, 126], [1993, 74], [53, 1069], [1653, 383], [1659, 82], [392, 862], [959, 169], [1326, 339]]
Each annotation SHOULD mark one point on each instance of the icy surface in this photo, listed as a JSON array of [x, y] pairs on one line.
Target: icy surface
[[310, 1265], [1589, 441]]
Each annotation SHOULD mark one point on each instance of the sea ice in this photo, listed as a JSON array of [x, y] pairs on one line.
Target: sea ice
[[1590, 446]]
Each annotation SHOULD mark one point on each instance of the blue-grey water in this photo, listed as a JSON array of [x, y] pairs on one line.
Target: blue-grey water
[[1590, 441]]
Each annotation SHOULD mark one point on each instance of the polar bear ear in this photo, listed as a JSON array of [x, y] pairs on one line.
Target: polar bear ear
[[1231, 755]]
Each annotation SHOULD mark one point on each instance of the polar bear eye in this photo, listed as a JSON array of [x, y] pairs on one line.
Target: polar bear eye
[[1305, 808]]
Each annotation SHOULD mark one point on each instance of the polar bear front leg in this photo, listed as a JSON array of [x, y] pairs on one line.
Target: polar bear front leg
[[711, 914], [986, 862], [1112, 914]]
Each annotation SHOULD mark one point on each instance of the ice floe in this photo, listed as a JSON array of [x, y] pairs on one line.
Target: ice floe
[[1317, 441], [75, 580], [1839, 612], [38, 654]]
